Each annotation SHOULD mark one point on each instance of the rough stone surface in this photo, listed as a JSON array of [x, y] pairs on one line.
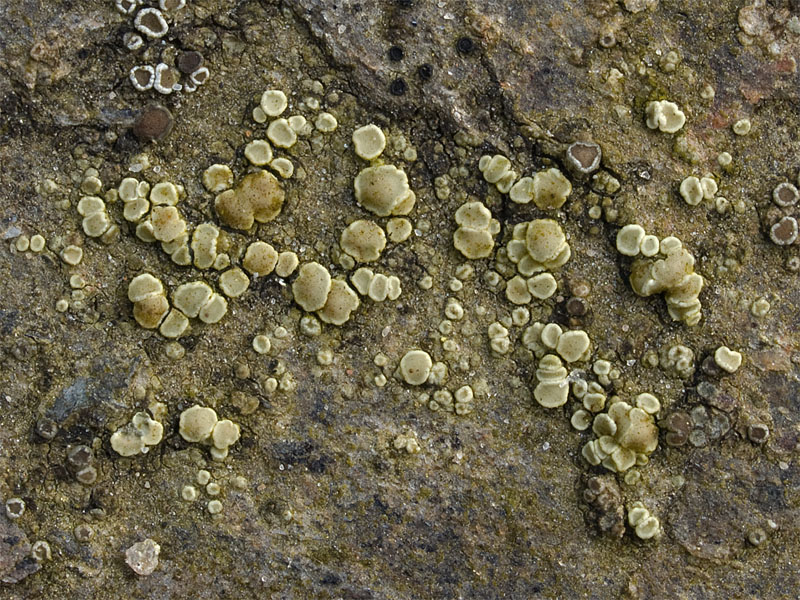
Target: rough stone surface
[[493, 506], [16, 562]]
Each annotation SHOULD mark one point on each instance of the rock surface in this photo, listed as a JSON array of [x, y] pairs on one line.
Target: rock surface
[[317, 502]]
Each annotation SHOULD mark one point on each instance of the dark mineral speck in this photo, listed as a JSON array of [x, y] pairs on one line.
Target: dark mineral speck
[[465, 45], [425, 71], [396, 53], [398, 87]]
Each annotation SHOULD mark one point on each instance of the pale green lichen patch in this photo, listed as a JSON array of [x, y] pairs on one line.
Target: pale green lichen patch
[[550, 189], [407, 442], [474, 237], [261, 344], [72, 255], [742, 127], [326, 122], [204, 245], [538, 245], [415, 367], [281, 134], [694, 190], [213, 310], [499, 340], [164, 193], [300, 125], [645, 525], [664, 116], [629, 240], [552, 387], [398, 230], [258, 197], [522, 191], [190, 298], [648, 403], [260, 258], [197, 423], [341, 301], [517, 291], [174, 324], [627, 435], [364, 240], [150, 305], [282, 166], [217, 178], [573, 345], [591, 394], [727, 359], [138, 436], [286, 264], [37, 243], [542, 286], [384, 190], [377, 286], [258, 153], [167, 223], [369, 142], [312, 286], [234, 282], [673, 275], [273, 102], [96, 221], [225, 433], [497, 170]]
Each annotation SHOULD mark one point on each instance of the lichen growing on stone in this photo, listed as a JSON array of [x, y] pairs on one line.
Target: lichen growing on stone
[[537, 246], [664, 116], [673, 275]]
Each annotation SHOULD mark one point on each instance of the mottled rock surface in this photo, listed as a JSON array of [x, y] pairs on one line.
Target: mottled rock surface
[[317, 502]]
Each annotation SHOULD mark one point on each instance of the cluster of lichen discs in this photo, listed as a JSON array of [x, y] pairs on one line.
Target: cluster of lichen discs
[[377, 286], [782, 219], [552, 344], [538, 245], [195, 299], [200, 424], [627, 435], [673, 275], [96, 222], [645, 525], [474, 237], [316, 291], [258, 197], [665, 116], [156, 215], [138, 436], [548, 189]]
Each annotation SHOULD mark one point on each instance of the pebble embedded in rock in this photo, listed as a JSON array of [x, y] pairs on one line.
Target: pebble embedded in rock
[[142, 557]]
